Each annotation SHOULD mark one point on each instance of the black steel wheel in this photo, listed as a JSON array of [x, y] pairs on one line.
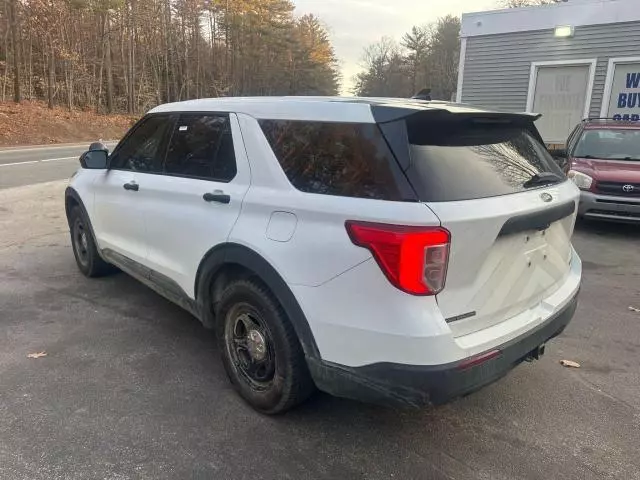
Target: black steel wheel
[[250, 346], [80, 241], [260, 350]]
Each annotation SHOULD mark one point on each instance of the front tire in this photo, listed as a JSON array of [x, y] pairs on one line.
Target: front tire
[[89, 261], [260, 350]]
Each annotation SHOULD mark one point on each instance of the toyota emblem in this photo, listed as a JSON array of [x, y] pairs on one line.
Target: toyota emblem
[[628, 188], [546, 197]]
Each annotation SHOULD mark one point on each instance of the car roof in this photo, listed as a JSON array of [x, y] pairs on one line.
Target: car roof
[[344, 109]]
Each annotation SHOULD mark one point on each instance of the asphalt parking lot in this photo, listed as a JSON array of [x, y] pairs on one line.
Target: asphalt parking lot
[[131, 386]]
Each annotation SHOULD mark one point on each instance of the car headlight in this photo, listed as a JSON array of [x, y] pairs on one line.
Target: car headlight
[[582, 181]]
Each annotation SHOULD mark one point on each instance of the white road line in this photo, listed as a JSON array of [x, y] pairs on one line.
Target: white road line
[[37, 161], [56, 159], [18, 163]]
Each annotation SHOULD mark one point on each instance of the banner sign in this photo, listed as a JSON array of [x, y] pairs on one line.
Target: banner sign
[[625, 94]]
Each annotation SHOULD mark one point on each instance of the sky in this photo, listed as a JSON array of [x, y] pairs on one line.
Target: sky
[[354, 24]]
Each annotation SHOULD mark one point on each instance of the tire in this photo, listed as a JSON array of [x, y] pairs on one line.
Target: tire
[[260, 350], [89, 261]]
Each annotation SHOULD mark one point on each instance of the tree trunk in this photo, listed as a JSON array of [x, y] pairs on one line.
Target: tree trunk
[[186, 56], [173, 67], [16, 50], [124, 58], [99, 97], [227, 47], [52, 74], [69, 81], [196, 29], [132, 58], [6, 54], [30, 64], [107, 63], [167, 48]]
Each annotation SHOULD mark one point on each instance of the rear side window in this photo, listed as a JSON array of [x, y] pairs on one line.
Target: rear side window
[[345, 159], [201, 146], [466, 160]]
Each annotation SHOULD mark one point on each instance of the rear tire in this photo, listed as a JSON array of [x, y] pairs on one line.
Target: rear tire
[[260, 350], [89, 261]]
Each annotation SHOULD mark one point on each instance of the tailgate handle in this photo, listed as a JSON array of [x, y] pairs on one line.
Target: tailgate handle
[[537, 220]]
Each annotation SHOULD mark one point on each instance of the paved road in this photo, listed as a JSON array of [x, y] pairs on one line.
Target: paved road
[[132, 387], [37, 164]]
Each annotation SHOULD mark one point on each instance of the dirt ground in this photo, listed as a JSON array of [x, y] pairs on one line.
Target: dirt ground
[[32, 123]]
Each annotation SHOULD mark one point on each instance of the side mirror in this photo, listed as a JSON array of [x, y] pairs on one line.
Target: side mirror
[[94, 159], [98, 146], [558, 152]]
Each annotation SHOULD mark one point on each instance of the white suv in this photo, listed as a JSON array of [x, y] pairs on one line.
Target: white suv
[[396, 251]]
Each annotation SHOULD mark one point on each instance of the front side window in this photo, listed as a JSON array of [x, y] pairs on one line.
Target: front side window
[[143, 150], [609, 144], [346, 159], [201, 147]]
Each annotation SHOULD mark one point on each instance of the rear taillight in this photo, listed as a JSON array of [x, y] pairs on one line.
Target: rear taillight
[[414, 259]]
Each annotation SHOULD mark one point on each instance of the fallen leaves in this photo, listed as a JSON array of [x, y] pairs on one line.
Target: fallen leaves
[[634, 309], [569, 364], [31, 123], [37, 355]]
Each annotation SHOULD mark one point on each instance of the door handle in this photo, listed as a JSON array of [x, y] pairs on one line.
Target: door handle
[[131, 186], [216, 196]]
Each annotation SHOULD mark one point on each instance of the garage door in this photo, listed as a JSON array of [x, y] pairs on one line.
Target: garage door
[[560, 94], [624, 101]]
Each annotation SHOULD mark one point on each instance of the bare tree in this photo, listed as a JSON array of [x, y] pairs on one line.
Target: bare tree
[[129, 55], [429, 60], [15, 45]]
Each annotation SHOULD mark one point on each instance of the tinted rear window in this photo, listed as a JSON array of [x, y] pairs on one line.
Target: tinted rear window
[[346, 159], [466, 160]]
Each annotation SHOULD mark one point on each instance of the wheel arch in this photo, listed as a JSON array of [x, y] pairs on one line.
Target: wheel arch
[[222, 262], [72, 199]]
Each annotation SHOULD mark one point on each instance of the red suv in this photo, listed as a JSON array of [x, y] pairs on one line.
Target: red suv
[[603, 160]]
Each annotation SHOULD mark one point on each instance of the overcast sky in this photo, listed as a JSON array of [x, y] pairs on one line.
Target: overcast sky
[[354, 24]]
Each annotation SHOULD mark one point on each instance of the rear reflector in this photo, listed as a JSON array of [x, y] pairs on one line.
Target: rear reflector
[[414, 259], [478, 359]]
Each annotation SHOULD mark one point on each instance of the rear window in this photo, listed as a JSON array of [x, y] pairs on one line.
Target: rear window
[[466, 160], [346, 159]]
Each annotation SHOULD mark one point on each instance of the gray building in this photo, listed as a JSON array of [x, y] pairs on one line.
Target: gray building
[[567, 61]]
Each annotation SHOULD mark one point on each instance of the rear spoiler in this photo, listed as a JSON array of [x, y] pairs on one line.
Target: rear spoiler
[[387, 113], [395, 131]]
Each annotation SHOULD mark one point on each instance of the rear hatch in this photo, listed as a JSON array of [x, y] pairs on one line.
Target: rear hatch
[[507, 205]]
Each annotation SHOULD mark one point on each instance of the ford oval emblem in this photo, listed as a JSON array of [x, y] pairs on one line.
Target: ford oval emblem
[[546, 197]]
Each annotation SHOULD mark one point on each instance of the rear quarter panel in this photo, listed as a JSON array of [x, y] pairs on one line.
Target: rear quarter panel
[[318, 248]]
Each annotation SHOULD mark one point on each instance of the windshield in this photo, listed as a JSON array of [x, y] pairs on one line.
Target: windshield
[[609, 144]]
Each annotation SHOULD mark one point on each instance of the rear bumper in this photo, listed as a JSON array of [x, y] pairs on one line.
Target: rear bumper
[[611, 208], [412, 386]]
